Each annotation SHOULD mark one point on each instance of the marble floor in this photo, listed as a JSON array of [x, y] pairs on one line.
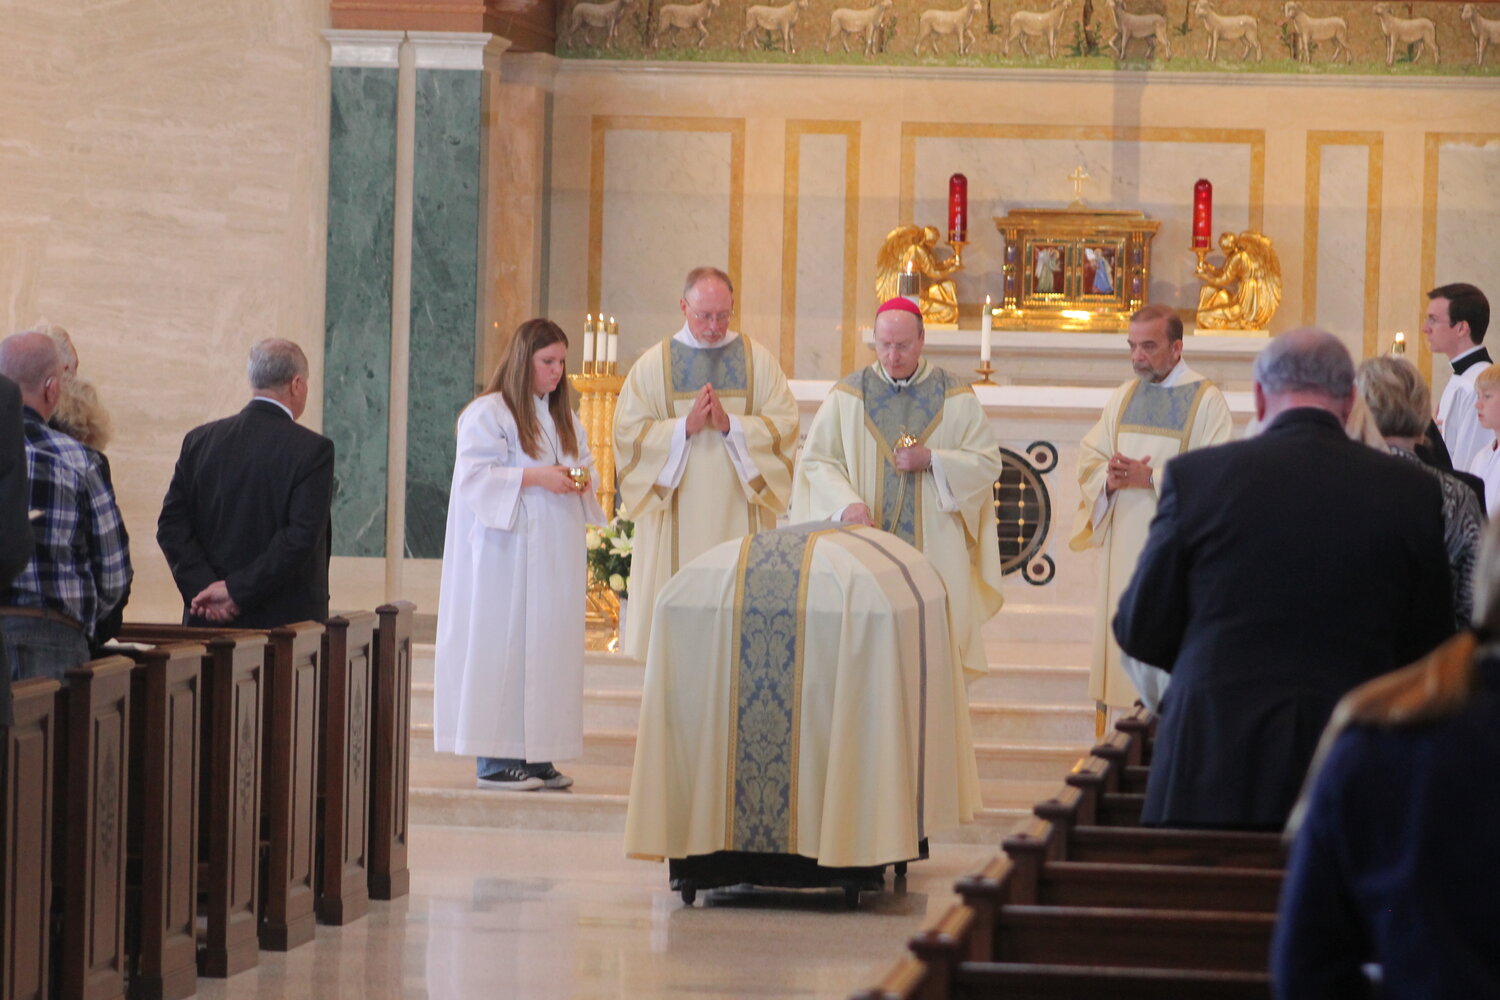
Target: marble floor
[[497, 914]]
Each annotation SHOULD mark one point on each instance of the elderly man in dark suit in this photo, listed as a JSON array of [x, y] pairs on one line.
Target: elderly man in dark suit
[[245, 522], [1279, 573]]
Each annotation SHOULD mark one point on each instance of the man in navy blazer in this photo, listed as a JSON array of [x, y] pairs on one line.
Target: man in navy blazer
[[245, 523], [1280, 572]]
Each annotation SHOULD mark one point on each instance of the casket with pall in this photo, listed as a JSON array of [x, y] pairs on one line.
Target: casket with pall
[[803, 697]]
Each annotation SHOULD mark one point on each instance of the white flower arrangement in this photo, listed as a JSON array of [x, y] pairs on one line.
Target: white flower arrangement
[[609, 551]]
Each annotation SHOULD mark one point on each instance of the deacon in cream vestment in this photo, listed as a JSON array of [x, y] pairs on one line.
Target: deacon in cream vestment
[[1166, 410]]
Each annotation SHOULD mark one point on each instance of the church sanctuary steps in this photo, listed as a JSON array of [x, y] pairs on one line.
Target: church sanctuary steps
[[1031, 716]]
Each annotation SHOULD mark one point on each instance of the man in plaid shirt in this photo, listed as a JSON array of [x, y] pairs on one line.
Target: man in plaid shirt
[[80, 567]]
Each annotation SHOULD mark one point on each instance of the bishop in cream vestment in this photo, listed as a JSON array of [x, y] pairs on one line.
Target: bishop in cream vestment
[[687, 493], [1142, 419], [947, 510]]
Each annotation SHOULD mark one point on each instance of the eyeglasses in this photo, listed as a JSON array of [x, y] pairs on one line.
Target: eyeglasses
[[704, 317]]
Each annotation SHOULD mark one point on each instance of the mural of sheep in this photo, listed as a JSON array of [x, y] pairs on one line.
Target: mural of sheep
[[1037, 24], [1235, 28], [937, 22]]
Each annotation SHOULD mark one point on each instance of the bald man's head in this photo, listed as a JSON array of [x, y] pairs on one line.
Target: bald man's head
[[33, 361]]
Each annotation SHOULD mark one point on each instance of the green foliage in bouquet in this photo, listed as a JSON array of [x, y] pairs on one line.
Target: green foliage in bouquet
[[609, 554]]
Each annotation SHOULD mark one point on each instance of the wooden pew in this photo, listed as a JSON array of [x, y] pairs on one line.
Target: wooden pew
[[89, 834], [165, 722], [391, 756], [286, 774], [344, 768], [289, 792], [27, 764], [231, 719]]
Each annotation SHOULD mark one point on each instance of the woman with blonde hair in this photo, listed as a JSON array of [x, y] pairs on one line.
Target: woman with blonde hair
[[1399, 403], [509, 660], [1393, 860]]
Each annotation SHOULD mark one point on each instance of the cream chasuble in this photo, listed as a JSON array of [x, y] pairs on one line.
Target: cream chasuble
[[803, 696], [1160, 420], [947, 511], [688, 494]]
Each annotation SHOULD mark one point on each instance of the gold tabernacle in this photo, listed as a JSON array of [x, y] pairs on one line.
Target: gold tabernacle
[[1074, 269]]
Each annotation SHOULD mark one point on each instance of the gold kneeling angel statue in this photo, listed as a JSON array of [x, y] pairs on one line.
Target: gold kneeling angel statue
[[1244, 293], [916, 246]]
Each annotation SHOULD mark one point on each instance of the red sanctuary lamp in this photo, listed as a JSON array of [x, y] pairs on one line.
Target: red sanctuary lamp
[[1203, 219], [958, 214]]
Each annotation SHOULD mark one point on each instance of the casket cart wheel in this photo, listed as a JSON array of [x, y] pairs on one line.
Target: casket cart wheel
[[901, 869], [851, 897], [689, 892]]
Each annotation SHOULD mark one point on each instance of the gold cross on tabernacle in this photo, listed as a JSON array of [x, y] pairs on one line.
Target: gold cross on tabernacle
[[1078, 176]]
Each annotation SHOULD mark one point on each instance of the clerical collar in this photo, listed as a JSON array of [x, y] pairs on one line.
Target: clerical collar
[[902, 383], [1468, 359], [685, 336], [1178, 373]]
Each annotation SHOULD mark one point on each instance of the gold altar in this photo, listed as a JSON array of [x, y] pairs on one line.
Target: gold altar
[[1077, 268]]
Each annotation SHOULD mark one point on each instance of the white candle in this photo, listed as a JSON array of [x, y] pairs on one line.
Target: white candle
[[588, 340], [612, 344], [986, 323]]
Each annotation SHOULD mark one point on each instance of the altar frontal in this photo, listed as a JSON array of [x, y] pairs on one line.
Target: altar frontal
[[803, 695]]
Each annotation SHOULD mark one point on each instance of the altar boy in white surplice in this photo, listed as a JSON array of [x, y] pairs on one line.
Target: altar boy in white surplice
[[1165, 410], [904, 446], [705, 430]]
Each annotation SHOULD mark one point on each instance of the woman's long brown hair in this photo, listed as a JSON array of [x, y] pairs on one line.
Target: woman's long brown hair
[[513, 381]]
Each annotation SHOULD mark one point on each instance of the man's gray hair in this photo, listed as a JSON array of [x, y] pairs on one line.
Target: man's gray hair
[[275, 362], [698, 274], [1305, 360], [29, 359]]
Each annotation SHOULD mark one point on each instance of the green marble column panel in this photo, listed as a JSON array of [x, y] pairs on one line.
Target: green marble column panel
[[444, 293], [357, 322]]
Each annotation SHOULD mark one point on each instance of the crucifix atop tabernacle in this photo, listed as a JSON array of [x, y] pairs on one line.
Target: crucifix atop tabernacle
[[1078, 176]]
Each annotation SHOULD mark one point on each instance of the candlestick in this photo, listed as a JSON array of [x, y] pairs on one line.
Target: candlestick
[[1203, 213], [1399, 345], [986, 326], [958, 209], [984, 371], [906, 283], [588, 342], [611, 346]]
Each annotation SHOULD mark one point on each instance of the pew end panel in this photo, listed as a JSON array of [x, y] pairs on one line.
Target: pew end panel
[[289, 788], [233, 674], [391, 756], [166, 722], [28, 762], [94, 754], [344, 766]]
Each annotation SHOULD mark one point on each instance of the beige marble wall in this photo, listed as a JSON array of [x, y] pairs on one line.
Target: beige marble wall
[[1460, 215], [1017, 134], [164, 166], [1342, 227], [668, 206], [817, 267]]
